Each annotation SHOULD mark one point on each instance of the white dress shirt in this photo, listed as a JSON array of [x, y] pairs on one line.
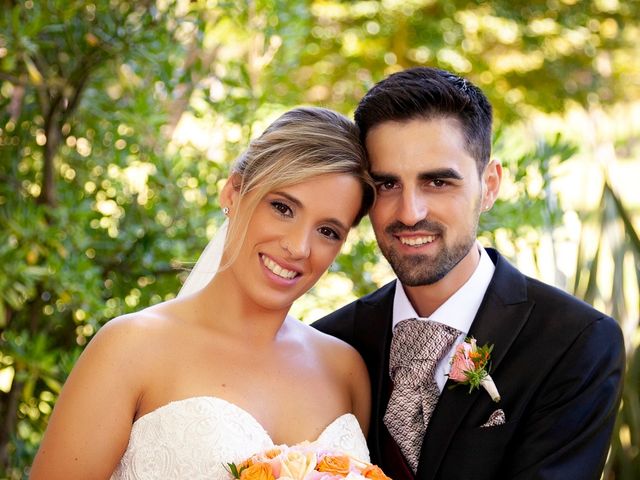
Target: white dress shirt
[[458, 311]]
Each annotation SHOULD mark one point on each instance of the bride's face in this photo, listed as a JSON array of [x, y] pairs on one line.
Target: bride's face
[[293, 237]]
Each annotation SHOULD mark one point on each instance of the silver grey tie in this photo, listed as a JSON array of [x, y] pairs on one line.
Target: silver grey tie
[[416, 348]]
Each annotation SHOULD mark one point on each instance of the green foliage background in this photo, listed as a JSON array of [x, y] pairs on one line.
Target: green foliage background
[[118, 121]]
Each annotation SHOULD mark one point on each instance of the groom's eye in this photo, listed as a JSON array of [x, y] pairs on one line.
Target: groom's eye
[[386, 185]]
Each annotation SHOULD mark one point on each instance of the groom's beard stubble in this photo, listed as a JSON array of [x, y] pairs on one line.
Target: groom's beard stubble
[[416, 270]]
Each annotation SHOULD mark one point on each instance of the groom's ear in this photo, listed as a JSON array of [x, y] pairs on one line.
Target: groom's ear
[[491, 179], [230, 192]]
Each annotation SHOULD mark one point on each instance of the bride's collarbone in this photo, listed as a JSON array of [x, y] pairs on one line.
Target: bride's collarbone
[[267, 383]]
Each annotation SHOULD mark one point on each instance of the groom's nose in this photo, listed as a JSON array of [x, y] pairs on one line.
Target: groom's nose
[[412, 207]]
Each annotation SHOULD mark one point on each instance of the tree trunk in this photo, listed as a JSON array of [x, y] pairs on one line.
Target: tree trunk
[[10, 419]]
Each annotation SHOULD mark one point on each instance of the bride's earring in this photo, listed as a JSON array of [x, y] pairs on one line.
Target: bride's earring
[[225, 210]]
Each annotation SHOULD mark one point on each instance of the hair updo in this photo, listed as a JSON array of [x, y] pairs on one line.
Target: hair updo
[[301, 144]]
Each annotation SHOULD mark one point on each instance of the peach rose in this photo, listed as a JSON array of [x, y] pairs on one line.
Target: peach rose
[[461, 362], [257, 471], [374, 473], [334, 464]]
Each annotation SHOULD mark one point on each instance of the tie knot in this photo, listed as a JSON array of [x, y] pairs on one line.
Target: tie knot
[[420, 341]]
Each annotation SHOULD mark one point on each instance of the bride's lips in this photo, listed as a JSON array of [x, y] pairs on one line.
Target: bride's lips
[[278, 270]]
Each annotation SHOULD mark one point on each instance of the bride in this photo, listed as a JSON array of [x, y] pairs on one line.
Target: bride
[[183, 388]]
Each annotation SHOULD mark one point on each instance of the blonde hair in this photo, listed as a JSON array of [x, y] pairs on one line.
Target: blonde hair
[[301, 144]]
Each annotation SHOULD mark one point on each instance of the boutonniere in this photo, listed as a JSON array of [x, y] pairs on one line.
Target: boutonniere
[[470, 366]]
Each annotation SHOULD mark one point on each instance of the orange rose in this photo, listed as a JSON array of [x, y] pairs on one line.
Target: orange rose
[[273, 453], [334, 464], [257, 471], [374, 473], [246, 464]]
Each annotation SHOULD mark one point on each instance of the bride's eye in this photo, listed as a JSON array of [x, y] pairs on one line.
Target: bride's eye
[[282, 208], [329, 233]]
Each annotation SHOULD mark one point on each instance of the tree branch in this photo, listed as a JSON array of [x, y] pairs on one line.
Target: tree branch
[[11, 79]]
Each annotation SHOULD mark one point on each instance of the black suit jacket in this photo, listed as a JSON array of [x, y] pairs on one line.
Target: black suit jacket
[[558, 365]]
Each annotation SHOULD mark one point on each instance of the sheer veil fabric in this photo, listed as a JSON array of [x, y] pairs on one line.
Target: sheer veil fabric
[[208, 263]]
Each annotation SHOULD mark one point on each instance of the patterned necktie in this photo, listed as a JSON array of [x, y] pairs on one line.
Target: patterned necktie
[[416, 348]]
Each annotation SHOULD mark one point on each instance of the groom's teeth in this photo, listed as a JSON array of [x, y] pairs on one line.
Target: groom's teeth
[[416, 241], [277, 269]]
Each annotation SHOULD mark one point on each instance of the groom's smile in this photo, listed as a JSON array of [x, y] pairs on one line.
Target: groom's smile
[[416, 241]]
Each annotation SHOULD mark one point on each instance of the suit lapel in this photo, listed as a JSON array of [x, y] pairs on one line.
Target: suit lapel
[[373, 331], [500, 318]]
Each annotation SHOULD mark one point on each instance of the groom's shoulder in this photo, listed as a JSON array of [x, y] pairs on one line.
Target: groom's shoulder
[[552, 304], [373, 299], [567, 313]]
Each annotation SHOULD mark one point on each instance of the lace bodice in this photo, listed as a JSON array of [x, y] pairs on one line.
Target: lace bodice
[[195, 438]]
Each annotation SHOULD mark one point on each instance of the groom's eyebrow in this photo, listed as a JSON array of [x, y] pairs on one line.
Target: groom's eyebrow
[[443, 173], [383, 177]]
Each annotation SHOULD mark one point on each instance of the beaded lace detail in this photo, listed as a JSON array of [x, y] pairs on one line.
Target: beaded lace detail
[[195, 438]]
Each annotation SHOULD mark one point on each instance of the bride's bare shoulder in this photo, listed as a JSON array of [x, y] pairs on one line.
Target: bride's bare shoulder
[[324, 340], [140, 328], [334, 350], [346, 366]]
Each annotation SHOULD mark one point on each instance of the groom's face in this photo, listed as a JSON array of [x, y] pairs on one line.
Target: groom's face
[[429, 197]]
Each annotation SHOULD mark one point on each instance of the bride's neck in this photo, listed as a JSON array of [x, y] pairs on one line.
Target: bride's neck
[[229, 308]]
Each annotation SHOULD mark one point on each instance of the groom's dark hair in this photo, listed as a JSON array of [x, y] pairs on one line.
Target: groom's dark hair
[[427, 93]]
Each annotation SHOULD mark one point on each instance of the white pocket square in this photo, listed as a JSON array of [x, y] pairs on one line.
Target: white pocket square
[[495, 419]]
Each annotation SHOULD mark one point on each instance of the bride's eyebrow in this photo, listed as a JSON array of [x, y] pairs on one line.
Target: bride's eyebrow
[[289, 197]]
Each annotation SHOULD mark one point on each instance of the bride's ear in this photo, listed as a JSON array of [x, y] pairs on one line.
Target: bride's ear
[[230, 192]]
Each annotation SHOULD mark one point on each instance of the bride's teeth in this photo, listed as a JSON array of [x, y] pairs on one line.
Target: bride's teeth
[[277, 269], [416, 241]]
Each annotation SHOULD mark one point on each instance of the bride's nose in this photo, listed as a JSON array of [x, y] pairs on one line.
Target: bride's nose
[[297, 243]]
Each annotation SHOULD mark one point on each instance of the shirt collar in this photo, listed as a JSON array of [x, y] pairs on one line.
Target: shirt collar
[[460, 308]]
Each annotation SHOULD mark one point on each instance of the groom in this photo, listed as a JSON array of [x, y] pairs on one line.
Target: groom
[[556, 362]]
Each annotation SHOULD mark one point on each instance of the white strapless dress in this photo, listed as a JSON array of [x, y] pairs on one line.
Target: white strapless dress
[[197, 437]]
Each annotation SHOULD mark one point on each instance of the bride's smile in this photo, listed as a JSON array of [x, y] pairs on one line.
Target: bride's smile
[[277, 269]]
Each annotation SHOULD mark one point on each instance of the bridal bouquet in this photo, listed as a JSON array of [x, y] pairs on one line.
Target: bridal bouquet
[[304, 462]]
